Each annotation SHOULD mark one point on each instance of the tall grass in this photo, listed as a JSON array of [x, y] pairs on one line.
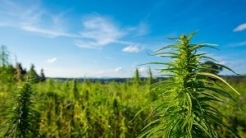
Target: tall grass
[[186, 104]]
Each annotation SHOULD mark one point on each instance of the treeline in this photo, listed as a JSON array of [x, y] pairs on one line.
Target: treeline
[[10, 73]]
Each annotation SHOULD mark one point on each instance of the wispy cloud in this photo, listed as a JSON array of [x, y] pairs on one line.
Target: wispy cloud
[[238, 44], [132, 49], [99, 31], [240, 27], [140, 30], [29, 16], [52, 60], [17, 14], [46, 32]]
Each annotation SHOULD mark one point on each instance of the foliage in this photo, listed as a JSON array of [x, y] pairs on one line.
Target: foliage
[[7, 74], [20, 72], [102, 110], [22, 117], [6, 69], [42, 76], [32, 75], [186, 105], [150, 76], [88, 109], [136, 76]]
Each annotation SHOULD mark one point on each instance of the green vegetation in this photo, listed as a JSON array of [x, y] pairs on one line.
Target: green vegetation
[[187, 99], [192, 102], [23, 117]]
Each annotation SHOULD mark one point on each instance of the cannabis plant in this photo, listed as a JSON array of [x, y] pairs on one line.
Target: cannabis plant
[[75, 90], [23, 119], [136, 77], [188, 99]]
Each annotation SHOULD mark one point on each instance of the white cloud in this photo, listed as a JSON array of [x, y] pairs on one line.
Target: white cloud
[[99, 31], [118, 69], [142, 70], [240, 27], [52, 60], [132, 49]]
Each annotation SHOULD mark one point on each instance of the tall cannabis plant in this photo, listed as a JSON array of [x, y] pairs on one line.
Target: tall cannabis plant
[[137, 77], [75, 90], [150, 76], [23, 119], [187, 99]]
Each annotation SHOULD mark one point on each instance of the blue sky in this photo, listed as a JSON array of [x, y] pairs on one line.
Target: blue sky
[[109, 38]]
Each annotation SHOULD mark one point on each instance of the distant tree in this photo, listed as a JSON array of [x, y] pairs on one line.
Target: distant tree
[[32, 75], [42, 76]]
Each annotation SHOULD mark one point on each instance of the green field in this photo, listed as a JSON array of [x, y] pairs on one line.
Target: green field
[[180, 106], [85, 109]]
